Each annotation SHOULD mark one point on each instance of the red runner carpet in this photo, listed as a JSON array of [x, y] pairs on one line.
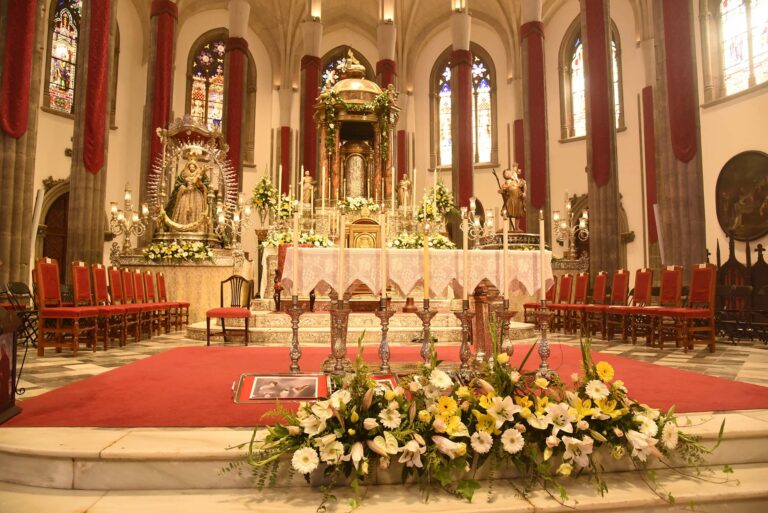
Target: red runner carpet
[[191, 387]]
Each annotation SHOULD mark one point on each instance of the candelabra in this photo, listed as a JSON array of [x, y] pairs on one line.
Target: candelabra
[[127, 221], [230, 229], [571, 227], [476, 228]]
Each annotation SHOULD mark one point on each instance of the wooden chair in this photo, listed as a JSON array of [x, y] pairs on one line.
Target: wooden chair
[[239, 306], [563, 298], [131, 296], [114, 316], [594, 312], [164, 307], [149, 308], [619, 316], [530, 309], [182, 308], [117, 297], [60, 326], [574, 310], [111, 320], [650, 320]]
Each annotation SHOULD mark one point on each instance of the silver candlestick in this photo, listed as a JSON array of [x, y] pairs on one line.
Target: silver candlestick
[[339, 327], [506, 315], [465, 353], [426, 316], [543, 315], [384, 313], [295, 312]]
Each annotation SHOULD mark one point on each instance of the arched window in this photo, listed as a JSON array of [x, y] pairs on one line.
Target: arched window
[[744, 43], [483, 109], [207, 94], [334, 62], [573, 106], [64, 29]]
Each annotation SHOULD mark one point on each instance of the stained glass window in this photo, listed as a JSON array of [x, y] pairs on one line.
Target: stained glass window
[[63, 49], [482, 117], [207, 95], [744, 41]]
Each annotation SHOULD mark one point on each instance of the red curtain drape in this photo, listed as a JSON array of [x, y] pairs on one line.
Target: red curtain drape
[[681, 81], [166, 13], [17, 68], [600, 97], [97, 86], [649, 150], [461, 65], [518, 138], [402, 154], [310, 68], [532, 36], [285, 157], [237, 51], [386, 70]]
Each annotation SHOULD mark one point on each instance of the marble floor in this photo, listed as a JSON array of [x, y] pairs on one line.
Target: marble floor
[[746, 361]]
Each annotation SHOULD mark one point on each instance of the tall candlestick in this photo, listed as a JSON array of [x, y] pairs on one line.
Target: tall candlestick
[[295, 276], [542, 292], [322, 194], [383, 263], [504, 233], [465, 253], [413, 191], [426, 261], [392, 191], [342, 247], [434, 178]]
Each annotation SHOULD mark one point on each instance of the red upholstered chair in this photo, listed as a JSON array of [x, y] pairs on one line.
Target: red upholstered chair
[[592, 313], [145, 311], [164, 307], [697, 320], [573, 311], [239, 306], [619, 316], [183, 306], [111, 320], [530, 309], [60, 326], [650, 320], [117, 297], [563, 298], [111, 317], [150, 308], [598, 315]]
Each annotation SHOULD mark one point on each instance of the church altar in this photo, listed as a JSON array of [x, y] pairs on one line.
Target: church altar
[[317, 266]]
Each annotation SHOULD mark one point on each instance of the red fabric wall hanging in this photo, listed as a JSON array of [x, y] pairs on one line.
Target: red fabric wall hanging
[[17, 68], [600, 97], [237, 49], [532, 33], [97, 86], [166, 13], [649, 147], [310, 67]]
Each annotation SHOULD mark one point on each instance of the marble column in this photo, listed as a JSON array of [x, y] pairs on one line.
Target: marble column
[[534, 122], [602, 181], [87, 215], [236, 64], [310, 85], [159, 96], [676, 111], [461, 108], [21, 65]]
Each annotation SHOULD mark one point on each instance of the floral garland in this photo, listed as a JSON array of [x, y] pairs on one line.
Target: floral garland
[[175, 251], [442, 429], [286, 237], [406, 240], [357, 203], [381, 105], [265, 196]]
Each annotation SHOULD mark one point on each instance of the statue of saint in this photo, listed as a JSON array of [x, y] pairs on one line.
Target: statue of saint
[[307, 188], [190, 205], [404, 192], [513, 192]]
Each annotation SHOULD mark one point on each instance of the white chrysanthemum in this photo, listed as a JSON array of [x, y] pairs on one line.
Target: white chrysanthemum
[[440, 379], [646, 425], [305, 460], [669, 436], [596, 390], [481, 442], [332, 452], [560, 417], [512, 441], [578, 450], [390, 418]]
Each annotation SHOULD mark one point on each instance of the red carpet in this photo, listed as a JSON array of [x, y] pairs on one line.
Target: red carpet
[[191, 387]]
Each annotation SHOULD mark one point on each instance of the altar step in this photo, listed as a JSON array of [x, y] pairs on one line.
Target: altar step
[[169, 469]]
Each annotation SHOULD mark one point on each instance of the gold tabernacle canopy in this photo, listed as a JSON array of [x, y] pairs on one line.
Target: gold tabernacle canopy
[[357, 122]]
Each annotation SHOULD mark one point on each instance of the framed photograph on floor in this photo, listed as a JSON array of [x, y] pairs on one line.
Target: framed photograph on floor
[[261, 388]]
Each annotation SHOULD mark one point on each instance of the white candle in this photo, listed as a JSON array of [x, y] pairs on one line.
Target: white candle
[[542, 292], [342, 246], [426, 261], [465, 251], [295, 277], [280, 181], [383, 263], [393, 188], [322, 194], [413, 191], [504, 233]]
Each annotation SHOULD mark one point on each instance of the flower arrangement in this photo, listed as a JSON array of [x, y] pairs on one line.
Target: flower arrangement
[[437, 203], [441, 429], [176, 251], [286, 237], [407, 240], [284, 207], [357, 203], [265, 196]]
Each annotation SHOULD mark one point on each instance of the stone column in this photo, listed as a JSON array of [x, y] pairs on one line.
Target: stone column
[[534, 133], [310, 80], [157, 107], [87, 215], [402, 142], [22, 25], [386, 68], [461, 108], [676, 109], [236, 65], [603, 186], [285, 95]]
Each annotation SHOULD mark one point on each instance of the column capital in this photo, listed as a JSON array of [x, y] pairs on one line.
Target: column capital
[[236, 44], [461, 23], [312, 30], [164, 7], [530, 10]]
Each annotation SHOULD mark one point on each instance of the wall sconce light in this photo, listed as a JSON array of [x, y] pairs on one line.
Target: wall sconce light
[[459, 5], [315, 9]]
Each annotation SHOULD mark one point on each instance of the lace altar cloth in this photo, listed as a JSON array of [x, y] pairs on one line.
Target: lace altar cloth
[[319, 268]]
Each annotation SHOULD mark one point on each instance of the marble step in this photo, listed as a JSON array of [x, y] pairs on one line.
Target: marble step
[[193, 459]]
